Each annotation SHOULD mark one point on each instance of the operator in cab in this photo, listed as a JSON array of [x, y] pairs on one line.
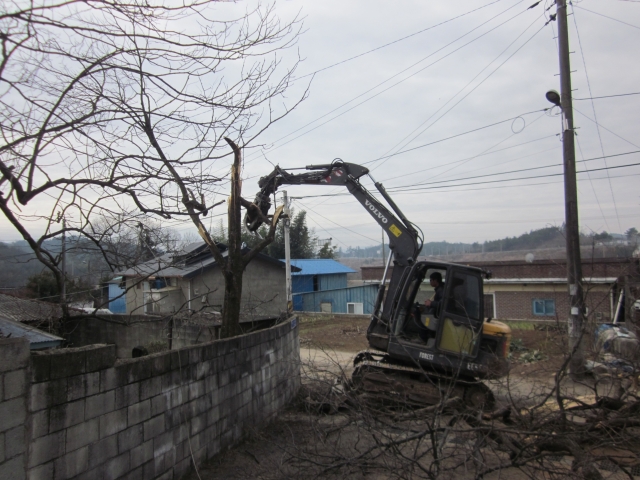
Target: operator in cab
[[433, 306]]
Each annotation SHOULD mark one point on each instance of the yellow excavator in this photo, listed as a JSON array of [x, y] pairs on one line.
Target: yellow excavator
[[416, 354]]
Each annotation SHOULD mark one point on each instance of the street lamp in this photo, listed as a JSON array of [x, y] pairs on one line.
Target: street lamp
[[554, 97]]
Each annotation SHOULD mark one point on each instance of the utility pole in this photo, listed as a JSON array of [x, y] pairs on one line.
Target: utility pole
[[63, 264], [384, 260], [287, 251], [574, 262]]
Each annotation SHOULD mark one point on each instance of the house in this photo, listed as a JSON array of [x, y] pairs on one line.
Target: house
[[191, 281], [33, 312], [537, 290], [321, 286], [38, 339]]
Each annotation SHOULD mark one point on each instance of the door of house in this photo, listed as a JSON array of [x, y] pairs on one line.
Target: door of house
[[488, 305]]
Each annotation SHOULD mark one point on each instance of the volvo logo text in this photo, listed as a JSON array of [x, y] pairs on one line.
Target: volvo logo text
[[371, 207]]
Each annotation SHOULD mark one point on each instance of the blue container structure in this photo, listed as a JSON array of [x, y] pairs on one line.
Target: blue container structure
[[321, 285], [117, 301]]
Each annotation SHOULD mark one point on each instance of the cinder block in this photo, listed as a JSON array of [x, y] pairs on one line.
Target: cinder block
[[47, 394], [41, 472], [139, 412], [14, 354], [162, 444], [180, 359], [116, 467], [134, 371], [113, 422], [108, 380], [153, 428], [150, 387], [100, 404], [66, 363], [130, 438], [71, 464], [196, 389], [103, 450], [101, 358], [12, 413], [141, 454], [66, 415], [159, 404], [161, 364], [127, 395], [82, 434], [14, 384], [13, 469], [39, 424], [14, 441], [46, 448]]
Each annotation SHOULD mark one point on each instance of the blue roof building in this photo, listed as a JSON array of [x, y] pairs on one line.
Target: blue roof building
[[321, 286], [317, 274]]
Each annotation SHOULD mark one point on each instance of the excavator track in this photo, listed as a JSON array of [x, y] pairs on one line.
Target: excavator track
[[377, 374]]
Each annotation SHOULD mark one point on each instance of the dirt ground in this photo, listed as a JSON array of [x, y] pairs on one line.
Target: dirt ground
[[282, 449]]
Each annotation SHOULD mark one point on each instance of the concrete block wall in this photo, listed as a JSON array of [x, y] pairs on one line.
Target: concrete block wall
[[14, 368], [90, 416]]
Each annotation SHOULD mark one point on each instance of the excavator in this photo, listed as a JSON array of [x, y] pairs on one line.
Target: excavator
[[416, 354]]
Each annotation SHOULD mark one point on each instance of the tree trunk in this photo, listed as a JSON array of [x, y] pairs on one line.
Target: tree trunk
[[234, 266]]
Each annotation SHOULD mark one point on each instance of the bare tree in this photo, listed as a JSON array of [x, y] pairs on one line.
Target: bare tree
[[108, 107]]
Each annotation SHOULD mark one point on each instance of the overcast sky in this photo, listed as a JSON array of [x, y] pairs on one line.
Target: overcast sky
[[501, 75], [487, 66]]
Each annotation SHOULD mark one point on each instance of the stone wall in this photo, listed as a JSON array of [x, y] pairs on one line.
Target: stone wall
[[129, 331], [14, 366], [91, 416]]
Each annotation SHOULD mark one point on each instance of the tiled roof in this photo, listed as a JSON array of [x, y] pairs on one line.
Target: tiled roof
[[182, 266], [319, 266], [22, 310]]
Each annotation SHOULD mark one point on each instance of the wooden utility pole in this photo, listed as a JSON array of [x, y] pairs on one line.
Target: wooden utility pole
[[574, 262], [287, 252], [63, 263]]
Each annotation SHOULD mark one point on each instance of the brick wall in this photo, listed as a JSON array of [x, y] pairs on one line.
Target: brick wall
[[518, 305], [14, 366], [90, 416], [605, 267]]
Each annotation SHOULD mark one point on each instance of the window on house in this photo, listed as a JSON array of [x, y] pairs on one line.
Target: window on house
[[315, 283], [544, 307]]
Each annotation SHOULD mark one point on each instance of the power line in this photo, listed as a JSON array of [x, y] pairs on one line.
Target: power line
[[471, 91], [606, 16], [395, 75], [395, 41], [515, 179], [454, 136], [609, 96], [593, 107]]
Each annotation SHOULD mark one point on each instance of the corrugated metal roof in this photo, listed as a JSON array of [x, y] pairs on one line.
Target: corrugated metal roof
[[22, 310], [37, 338], [319, 266]]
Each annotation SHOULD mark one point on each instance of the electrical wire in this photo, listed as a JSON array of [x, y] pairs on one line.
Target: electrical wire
[[463, 88], [595, 116], [606, 16], [608, 96], [514, 179], [392, 77], [395, 41]]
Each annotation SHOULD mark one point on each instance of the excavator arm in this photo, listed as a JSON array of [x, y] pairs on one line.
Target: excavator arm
[[403, 236]]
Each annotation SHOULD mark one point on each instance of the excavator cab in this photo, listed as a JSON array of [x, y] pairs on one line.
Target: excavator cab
[[452, 338]]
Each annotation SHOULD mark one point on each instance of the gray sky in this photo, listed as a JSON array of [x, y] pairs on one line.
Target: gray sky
[[488, 66], [424, 108]]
